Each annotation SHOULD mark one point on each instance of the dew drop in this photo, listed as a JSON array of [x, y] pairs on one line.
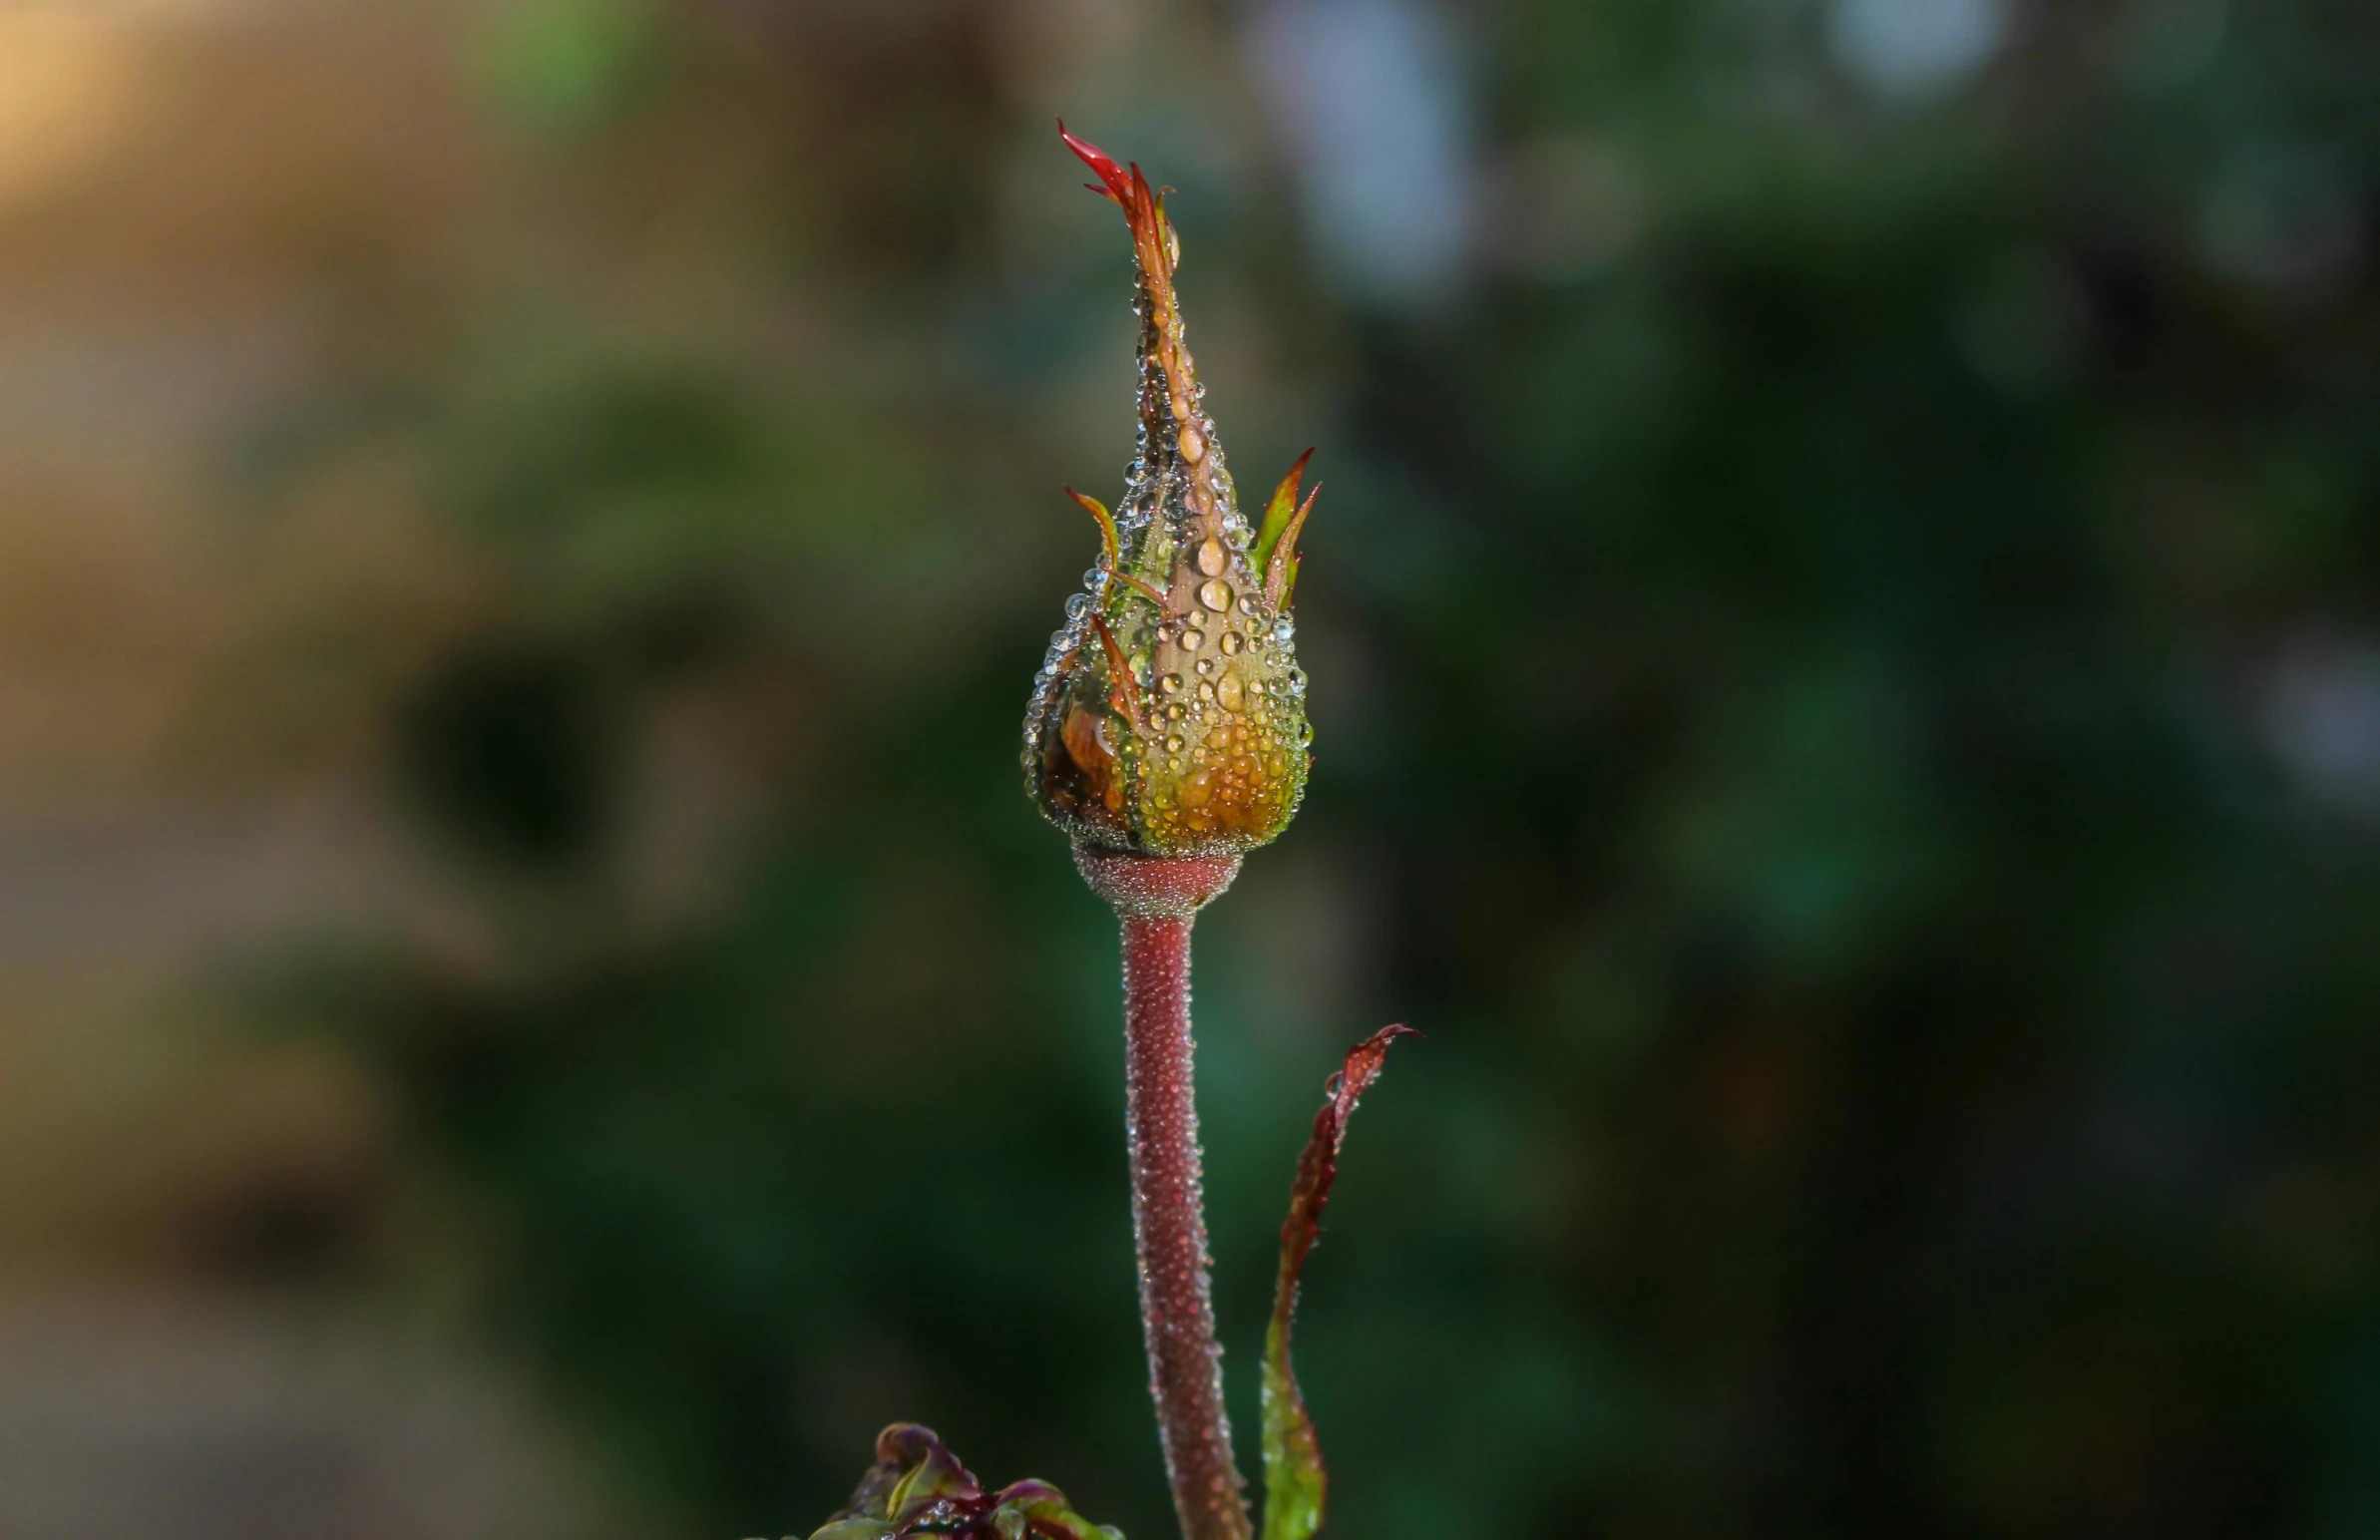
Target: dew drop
[[1173, 743], [1248, 603], [1284, 629], [1207, 665], [1215, 593], [1194, 446], [1197, 788], [1206, 690], [1229, 694], [1077, 605], [1231, 642], [1211, 558], [1171, 684], [1192, 640]]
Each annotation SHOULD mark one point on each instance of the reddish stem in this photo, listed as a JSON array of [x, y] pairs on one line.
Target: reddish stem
[[1155, 897], [1169, 1224]]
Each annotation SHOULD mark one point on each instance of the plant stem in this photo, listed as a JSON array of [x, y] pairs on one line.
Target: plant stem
[[1169, 1226], [1156, 899]]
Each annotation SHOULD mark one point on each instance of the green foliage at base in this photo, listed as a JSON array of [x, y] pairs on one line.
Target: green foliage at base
[[918, 1487]]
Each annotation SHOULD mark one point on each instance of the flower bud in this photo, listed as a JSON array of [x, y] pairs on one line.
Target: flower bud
[[1169, 717]]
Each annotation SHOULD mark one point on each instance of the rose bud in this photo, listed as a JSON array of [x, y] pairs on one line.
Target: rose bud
[[1169, 717]]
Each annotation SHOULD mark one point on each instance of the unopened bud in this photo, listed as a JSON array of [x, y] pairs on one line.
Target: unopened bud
[[1169, 717]]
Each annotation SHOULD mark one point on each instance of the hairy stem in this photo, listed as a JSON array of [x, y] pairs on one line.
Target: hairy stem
[[1156, 897], [1169, 1226]]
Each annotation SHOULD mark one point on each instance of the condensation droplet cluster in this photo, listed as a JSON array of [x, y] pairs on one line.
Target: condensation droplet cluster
[[1202, 747]]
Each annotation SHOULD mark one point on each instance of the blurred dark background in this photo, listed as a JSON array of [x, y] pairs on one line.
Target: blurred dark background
[[1845, 637]]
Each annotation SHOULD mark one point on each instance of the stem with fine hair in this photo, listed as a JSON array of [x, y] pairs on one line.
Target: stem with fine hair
[[1169, 1227], [1156, 899]]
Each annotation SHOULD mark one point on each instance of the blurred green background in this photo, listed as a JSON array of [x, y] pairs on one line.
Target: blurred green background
[[1845, 635]]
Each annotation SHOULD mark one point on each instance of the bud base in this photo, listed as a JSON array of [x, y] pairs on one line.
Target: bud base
[[1151, 887]]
